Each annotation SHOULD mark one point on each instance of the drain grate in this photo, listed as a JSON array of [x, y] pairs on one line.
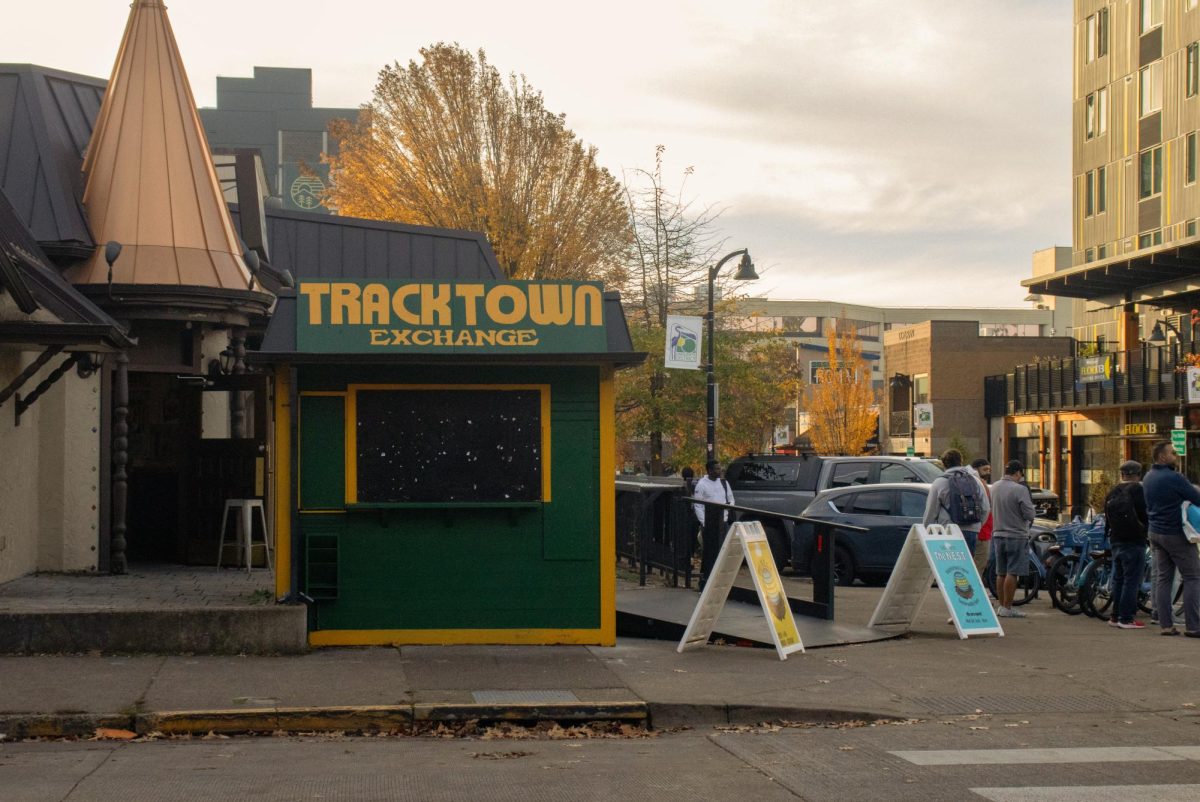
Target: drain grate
[[524, 697], [1090, 703]]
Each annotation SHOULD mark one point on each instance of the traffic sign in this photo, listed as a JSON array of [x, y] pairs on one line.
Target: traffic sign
[[910, 451], [1179, 440]]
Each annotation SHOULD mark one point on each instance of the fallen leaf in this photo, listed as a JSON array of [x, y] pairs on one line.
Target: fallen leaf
[[1189, 704], [109, 734], [845, 748], [979, 728]]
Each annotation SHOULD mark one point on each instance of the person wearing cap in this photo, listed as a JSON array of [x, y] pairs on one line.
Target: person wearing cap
[[1166, 490], [1012, 515], [1125, 526]]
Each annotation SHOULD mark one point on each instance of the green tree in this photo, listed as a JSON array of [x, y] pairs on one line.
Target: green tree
[[449, 142]]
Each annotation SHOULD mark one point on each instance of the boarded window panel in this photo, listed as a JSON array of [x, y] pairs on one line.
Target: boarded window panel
[[322, 452], [436, 446]]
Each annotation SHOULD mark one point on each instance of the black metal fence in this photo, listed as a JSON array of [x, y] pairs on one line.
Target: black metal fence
[[1143, 375], [656, 529]]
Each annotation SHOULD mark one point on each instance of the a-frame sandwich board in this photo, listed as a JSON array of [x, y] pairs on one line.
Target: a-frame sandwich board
[[937, 553], [746, 540]]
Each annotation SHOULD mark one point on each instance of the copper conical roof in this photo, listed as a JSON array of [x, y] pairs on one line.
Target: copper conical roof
[[150, 179]]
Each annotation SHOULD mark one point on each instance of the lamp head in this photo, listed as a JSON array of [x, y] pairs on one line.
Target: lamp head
[[112, 250], [745, 271], [1156, 336], [1034, 298], [899, 380]]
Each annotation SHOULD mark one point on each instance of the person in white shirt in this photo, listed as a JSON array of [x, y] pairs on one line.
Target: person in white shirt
[[712, 487]]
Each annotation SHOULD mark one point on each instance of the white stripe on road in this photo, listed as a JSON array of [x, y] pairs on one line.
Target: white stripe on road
[[1098, 754], [1093, 793]]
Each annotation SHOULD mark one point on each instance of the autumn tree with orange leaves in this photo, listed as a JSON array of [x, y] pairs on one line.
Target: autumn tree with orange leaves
[[450, 142], [841, 403]]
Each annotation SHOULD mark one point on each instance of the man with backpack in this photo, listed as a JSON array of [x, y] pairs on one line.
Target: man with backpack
[[958, 497], [1125, 527], [1013, 514]]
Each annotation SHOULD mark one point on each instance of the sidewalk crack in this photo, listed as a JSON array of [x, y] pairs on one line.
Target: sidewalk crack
[[95, 769]]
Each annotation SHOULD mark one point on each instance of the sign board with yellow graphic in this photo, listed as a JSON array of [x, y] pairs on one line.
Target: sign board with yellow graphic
[[464, 318], [937, 554], [746, 540]]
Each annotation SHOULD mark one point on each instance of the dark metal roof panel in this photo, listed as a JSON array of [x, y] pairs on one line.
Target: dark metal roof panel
[[46, 119], [49, 289]]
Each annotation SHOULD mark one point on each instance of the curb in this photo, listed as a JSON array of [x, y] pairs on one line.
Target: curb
[[668, 715], [353, 718]]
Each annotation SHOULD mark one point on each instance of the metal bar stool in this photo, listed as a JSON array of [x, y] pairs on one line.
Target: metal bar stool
[[244, 541]]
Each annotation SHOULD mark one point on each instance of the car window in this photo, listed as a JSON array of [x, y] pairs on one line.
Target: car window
[[912, 504], [874, 503], [850, 473], [927, 469], [800, 474], [844, 503], [898, 472]]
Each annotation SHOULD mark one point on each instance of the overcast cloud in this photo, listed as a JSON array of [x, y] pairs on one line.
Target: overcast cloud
[[911, 153]]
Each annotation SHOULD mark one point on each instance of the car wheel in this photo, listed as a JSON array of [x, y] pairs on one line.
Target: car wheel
[[843, 567]]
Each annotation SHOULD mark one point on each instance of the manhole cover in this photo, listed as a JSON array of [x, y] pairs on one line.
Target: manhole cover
[[1091, 703], [523, 697]]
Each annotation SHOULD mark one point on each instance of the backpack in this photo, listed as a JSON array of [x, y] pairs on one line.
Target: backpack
[[965, 497], [1120, 515], [1191, 522]]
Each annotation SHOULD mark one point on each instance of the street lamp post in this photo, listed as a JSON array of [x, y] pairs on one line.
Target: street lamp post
[[1157, 338], [745, 272]]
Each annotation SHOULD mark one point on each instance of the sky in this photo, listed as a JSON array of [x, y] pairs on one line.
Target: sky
[[890, 154]]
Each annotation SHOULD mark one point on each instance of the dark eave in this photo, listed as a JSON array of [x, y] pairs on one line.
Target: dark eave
[[1159, 276]]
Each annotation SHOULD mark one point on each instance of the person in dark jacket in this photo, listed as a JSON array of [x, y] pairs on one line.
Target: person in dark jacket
[[1125, 527], [1166, 491]]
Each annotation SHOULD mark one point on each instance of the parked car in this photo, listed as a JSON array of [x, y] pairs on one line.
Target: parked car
[[777, 483], [1045, 503], [887, 511]]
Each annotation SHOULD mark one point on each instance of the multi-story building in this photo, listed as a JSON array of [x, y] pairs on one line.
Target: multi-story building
[[1135, 256], [273, 113], [804, 324]]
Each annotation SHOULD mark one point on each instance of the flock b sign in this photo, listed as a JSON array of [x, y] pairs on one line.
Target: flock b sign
[[937, 553], [745, 540]]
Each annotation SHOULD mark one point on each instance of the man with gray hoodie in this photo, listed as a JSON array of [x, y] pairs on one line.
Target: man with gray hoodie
[[938, 507], [1012, 515]]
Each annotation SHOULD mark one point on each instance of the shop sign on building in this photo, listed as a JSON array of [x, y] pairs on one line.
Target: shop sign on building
[[515, 317], [1139, 428], [1093, 370]]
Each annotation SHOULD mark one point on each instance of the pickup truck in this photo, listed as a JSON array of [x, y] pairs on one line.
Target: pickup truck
[[787, 484]]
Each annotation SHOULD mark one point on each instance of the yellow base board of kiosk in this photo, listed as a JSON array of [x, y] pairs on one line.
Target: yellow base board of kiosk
[[443, 637]]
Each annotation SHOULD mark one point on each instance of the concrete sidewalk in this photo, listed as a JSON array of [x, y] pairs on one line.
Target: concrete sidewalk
[[1047, 663]]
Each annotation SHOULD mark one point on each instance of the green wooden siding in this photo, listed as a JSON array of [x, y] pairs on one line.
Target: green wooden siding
[[463, 568], [322, 446]]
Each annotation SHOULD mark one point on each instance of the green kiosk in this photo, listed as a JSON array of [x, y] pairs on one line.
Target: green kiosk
[[444, 458]]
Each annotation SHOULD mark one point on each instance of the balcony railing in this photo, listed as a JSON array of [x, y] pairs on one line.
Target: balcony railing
[[1142, 376]]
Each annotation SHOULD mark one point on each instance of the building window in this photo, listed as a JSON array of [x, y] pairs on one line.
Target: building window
[[1089, 115], [1150, 84], [1189, 162], [1193, 69], [1089, 256], [1152, 14], [1190, 228], [1090, 37], [1150, 238], [1101, 251], [1102, 33], [921, 389], [1089, 194], [1102, 112], [1151, 173], [1102, 190]]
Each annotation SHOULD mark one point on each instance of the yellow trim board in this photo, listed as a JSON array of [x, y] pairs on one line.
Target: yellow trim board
[[608, 507], [436, 637], [352, 425]]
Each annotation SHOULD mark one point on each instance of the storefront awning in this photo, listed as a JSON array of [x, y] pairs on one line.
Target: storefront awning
[[1160, 276]]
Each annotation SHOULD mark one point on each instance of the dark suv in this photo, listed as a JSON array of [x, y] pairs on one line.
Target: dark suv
[[787, 484]]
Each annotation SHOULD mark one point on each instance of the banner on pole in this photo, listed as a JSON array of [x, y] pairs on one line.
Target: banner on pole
[[924, 416], [1193, 385], [684, 340]]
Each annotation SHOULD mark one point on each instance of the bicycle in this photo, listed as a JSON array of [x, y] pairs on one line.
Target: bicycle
[[1096, 585], [1029, 581]]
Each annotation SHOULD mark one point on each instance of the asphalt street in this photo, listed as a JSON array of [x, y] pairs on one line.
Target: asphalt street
[[1013, 758]]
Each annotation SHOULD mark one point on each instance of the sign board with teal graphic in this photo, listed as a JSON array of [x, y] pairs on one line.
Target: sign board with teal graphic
[[685, 335], [510, 317], [937, 554]]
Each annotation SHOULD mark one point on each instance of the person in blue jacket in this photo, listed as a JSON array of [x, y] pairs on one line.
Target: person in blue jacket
[[1166, 490]]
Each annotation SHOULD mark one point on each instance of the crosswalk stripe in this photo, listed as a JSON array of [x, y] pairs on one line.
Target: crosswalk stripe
[[1093, 793], [1090, 754]]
